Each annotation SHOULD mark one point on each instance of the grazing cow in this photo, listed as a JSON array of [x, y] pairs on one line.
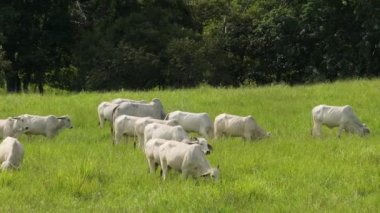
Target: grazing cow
[[11, 153], [194, 122], [337, 116], [163, 131], [105, 110], [48, 126], [124, 125], [152, 152], [186, 158], [233, 125], [153, 109], [152, 146], [143, 122], [13, 127], [121, 100]]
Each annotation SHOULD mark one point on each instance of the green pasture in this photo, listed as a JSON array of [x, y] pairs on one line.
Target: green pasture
[[81, 171]]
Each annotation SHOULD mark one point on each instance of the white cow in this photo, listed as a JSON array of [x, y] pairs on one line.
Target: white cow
[[186, 158], [152, 149], [143, 122], [121, 100], [233, 125], [13, 127], [337, 116], [176, 133], [163, 131], [105, 110], [124, 125], [48, 126], [194, 122], [153, 109], [11, 153]]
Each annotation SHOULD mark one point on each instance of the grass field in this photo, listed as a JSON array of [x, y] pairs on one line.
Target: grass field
[[81, 171]]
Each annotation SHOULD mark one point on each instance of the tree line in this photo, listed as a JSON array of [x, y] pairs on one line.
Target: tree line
[[100, 45]]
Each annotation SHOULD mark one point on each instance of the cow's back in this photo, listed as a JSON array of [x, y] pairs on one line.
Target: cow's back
[[11, 150]]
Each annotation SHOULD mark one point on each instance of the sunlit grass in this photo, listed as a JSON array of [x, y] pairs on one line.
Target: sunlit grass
[[80, 170]]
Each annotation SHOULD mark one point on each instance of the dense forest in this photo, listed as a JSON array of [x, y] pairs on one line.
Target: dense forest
[[100, 45]]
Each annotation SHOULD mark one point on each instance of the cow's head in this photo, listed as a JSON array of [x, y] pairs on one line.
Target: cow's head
[[364, 131], [20, 124], [66, 121], [206, 148], [213, 173]]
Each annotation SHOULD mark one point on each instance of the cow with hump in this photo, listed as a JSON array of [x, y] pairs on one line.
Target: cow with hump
[[48, 126], [154, 109], [189, 159], [11, 153], [233, 125], [337, 116], [194, 122]]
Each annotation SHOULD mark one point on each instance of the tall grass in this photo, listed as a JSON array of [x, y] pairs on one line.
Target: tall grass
[[81, 171]]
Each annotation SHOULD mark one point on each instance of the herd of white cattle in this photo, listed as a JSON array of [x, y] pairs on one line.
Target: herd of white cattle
[[164, 138]]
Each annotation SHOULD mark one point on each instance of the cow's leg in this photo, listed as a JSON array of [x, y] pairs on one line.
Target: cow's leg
[[126, 138], [152, 165], [141, 141], [217, 134], [117, 138], [6, 165], [341, 128], [203, 132], [185, 173], [316, 131], [164, 168]]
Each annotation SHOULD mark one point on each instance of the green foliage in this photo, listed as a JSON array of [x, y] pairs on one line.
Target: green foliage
[[122, 44], [4, 66], [81, 171]]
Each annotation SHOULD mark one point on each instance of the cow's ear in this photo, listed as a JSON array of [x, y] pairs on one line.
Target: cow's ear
[[365, 125]]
